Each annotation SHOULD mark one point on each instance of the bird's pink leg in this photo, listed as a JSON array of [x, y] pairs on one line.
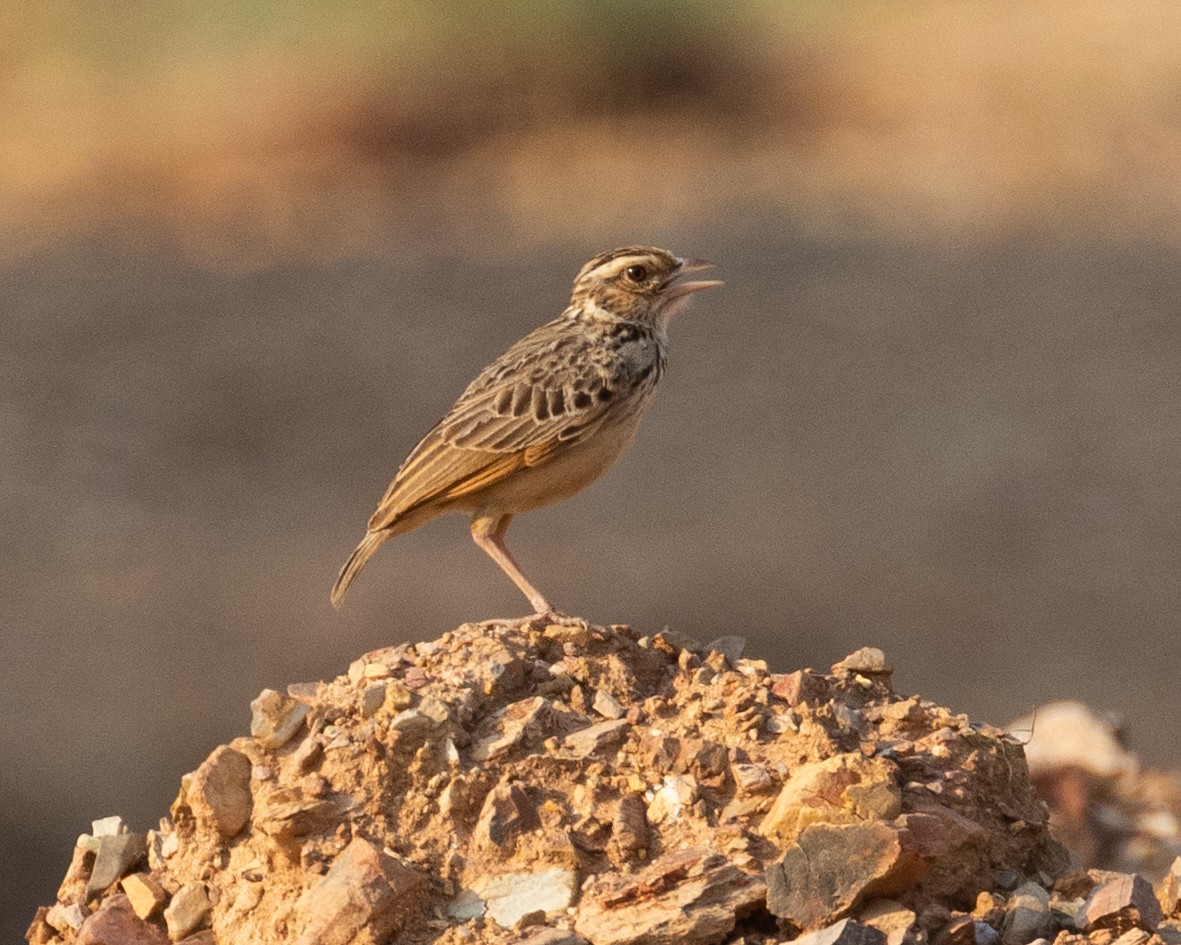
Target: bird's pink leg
[[488, 533]]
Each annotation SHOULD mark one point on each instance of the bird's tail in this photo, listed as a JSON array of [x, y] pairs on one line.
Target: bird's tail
[[363, 552]]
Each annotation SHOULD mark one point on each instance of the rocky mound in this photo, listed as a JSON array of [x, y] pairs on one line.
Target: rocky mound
[[565, 784]]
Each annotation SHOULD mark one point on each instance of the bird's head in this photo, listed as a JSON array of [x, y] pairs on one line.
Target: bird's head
[[639, 283]]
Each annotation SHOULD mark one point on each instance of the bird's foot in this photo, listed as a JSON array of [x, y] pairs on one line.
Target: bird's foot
[[541, 619]]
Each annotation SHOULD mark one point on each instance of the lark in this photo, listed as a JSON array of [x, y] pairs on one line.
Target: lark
[[546, 418]]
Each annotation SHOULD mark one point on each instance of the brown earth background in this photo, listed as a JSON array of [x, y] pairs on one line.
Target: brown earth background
[[249, 254]]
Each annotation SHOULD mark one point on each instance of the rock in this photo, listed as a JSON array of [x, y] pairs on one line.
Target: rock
[[752, 779], [73, 884], [607, 705], [657, 752], [830, 868], [845, 932], [967, 930], [801, 686], [219, 791], [549, 936], [730, 647], [1133, 937], [117, 854], [1027, 916], [307, 756], [65, 917], [144, 893], [868, 660], [388, 820], [435, 710], [990, 909], [689, 897], [677, 792], [1120, 904], [275, 718], [629, 827], [412, 723], [576, 634], [1168, 893], [526, 720], [188, 911], [506, 815], [397, 697], [937, 831], [511, 896], [115, 923], [372, 699], [291, 813], [848, 788], [467, 905], [108, 827], [887, 916], [595, 738], [366, 898]]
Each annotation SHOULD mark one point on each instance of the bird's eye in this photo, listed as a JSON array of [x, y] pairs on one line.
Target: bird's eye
[[637, 273]]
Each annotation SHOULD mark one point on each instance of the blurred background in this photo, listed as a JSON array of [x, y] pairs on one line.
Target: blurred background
[[250, 253]]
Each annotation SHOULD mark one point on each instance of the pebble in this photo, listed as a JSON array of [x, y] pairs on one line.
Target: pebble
[[674, 795], [467, 905], [607, 705], [730, 647], [117, 854], [1169, 891], [510, 897], [752, 779], [65, 917], [275, 718], [511, 725], [115, 923], [412, 723], [801, 686], [967, 930], [397, 697], [595, 738], [846, 788], [1027, 916], [188, 911], [434, 710], [688, 897], [629, 826], [886, 915], [219, 791], [372, 699], [507, 813], [868, 659], [829, 867], [845, 932], [1120, 904], [108, 826], [366, 896], [144, 893]]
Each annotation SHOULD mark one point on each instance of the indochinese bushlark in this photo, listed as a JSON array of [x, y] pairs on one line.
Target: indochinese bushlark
[[548, 416]]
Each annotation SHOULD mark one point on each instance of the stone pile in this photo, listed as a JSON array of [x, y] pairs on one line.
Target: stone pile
[[1104, 804], [565, 784]]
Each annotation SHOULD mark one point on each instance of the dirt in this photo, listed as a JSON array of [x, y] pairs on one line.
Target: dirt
[[566, 783]]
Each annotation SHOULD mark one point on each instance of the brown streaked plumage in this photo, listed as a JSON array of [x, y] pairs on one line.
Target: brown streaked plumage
[[548, 416]]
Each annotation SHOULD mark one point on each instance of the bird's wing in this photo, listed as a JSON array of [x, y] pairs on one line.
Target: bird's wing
[[547, 393]]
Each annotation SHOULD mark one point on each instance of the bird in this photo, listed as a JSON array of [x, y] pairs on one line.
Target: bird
[[546, 418]]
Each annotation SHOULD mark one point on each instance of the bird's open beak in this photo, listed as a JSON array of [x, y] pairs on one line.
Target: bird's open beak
[[674, 288]]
